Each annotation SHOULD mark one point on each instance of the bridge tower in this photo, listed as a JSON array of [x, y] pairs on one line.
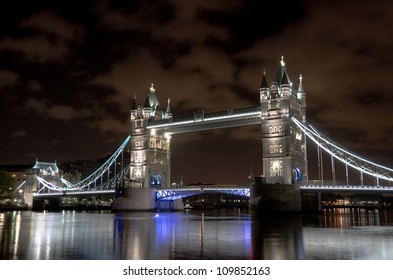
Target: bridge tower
[[283, 146], [283, 143], [149, 156], [150, 149]]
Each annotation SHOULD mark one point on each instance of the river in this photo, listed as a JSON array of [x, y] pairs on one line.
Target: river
[[337, 234]]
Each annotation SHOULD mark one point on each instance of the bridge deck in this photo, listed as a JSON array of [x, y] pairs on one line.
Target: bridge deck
[[209, 121], [182, 191]]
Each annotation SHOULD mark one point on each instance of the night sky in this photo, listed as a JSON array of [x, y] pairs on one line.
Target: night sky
[[69, 71]]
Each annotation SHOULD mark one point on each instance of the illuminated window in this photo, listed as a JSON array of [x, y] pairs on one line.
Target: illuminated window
[[275, 148], [138, 143], [276, 168]]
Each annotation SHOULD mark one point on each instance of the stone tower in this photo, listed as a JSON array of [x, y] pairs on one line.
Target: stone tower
[[283, 144], [150, 149]]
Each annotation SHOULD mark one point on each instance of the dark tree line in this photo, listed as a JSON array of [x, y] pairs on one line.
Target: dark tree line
[[7, 184]]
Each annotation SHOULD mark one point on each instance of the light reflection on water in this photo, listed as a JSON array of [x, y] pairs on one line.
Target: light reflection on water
[[222, 234]]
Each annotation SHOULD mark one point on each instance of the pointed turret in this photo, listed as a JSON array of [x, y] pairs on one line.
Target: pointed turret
[[134, 106], [147, 103], [282, 79], [153, 100], [285, 79], [264, 89], [147, 108], [300, 88], [264, 82], [282, 75], [301, 95], [168, 110]]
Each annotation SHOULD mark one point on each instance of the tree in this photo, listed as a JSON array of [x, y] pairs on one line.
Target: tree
[[7, 183]]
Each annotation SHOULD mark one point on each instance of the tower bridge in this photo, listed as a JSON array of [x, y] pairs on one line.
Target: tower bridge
[[283, 186]]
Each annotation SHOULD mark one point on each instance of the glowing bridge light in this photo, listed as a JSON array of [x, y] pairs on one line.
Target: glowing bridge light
[[362, 165], [173, 194], [91, 181], [230, 115]]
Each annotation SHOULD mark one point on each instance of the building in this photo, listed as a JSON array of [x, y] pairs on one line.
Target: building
[[150, 149], [16, 171], [283, 143]]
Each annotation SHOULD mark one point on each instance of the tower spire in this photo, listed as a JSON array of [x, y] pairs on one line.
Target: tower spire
[[282, 75], [282, 61], [147, 102], [264, 82], [168, 109], [133, 106], [300, 88]]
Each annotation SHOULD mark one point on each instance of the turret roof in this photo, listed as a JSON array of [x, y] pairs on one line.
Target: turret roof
[[264, 82], [282, 75]]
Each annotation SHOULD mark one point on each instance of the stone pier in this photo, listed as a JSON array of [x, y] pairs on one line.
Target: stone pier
[[277, 198]]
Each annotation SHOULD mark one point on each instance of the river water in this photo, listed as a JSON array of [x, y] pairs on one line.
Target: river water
[[337, 234]]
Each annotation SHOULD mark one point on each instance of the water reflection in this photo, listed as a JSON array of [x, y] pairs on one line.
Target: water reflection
[[229, 234], [196, 235], [277, 238]]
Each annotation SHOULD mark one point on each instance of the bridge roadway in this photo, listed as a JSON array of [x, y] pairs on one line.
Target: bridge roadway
[[208, 121], [162, 194], [182, 191]]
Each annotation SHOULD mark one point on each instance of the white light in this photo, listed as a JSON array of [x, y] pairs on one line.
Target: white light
[[363, 169], [205, 120]]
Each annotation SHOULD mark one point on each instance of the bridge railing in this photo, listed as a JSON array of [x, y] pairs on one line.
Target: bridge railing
[[346, 188]]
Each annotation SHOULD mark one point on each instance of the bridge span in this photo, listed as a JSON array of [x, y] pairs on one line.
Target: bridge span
[[185, 191]]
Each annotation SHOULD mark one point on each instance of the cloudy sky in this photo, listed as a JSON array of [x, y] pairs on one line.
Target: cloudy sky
[[70, 69]]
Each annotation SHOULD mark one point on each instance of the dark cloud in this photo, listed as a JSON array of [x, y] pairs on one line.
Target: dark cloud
[[51, 24], [19, 133], [34, 86], [8, 78]]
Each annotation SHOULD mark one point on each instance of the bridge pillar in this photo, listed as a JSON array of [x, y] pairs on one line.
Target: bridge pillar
[[170, 205], [311, 202], [28, 198], [274, 198], [135, 198]]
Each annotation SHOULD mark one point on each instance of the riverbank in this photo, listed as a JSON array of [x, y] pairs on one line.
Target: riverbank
[[13, 207]]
